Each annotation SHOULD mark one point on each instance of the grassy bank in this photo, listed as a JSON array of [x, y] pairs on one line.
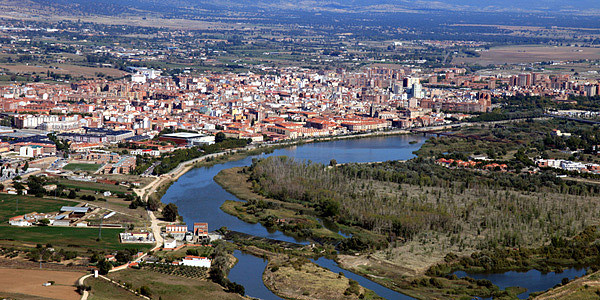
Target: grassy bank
[[160, 191], [584, 288], [299, 278], [237, 209], [296, 277]]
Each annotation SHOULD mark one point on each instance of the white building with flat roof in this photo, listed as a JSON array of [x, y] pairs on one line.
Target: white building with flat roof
[[195, 261], [170, 244], [31, 151]]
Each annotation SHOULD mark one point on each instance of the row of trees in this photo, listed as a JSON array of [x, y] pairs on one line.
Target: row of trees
[[169, 161], [219, 268], [48, 253]]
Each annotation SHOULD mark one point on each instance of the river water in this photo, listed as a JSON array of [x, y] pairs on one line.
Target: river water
[[199, 199], [248, 272], [532, 280]]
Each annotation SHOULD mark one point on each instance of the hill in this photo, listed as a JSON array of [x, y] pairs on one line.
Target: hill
[[190, 8]]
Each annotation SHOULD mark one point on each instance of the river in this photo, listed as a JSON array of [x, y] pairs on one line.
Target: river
[[199, 199], [532, 280]]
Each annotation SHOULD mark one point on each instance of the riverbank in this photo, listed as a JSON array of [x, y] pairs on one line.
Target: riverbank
[[198, 195], [586, 287], [237, 154], [296, 277], [388, 265], [155, 190], [293, 219], [409, 281]]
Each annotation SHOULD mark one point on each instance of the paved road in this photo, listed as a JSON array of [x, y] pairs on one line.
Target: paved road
[[151, 169], [80, 282]]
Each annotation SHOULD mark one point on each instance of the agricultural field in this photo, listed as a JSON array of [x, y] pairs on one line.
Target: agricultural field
[[170, 286], [102, 289], [77, 239], [541, 31], [27, 204], [168, 256], [82, 167], [530, 54], [30, 284], [183, 271], [72, 69], [93, 186]]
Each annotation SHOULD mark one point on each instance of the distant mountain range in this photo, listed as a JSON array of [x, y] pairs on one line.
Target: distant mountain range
[[546, 6], [174, 7]]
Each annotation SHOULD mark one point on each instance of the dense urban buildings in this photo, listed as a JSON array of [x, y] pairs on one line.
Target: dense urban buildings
[[298, 103]]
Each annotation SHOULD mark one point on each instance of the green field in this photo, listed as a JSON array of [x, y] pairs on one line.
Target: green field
[[76, 238], [82, 167], [165, 286], [28, 204], [70, 237], [102, 289], [93, 186]]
